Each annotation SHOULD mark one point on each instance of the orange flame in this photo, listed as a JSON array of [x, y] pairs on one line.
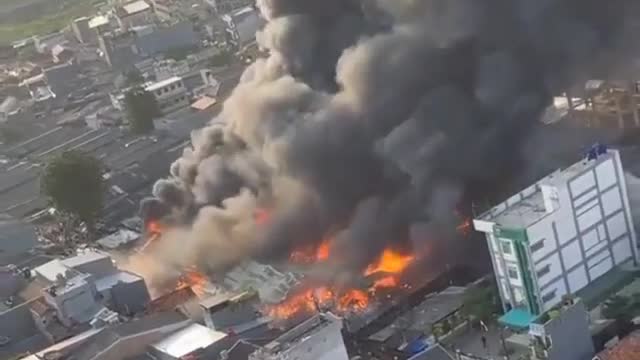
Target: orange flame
[[195, 280], [390, 265], [309, 255], [465, 227], [154, 227], [312, 300], [390, 262]]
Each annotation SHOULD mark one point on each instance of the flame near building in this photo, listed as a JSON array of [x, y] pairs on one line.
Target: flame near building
[[363, 121]]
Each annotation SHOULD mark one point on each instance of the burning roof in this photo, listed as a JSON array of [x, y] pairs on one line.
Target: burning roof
[[361, 124]]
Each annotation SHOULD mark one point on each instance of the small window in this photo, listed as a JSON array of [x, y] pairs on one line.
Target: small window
[[537, 246], [549, 296], [544, 271], [506, 247], [513, 272]]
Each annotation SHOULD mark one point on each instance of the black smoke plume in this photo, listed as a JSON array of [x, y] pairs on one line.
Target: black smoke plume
[[368, 117]]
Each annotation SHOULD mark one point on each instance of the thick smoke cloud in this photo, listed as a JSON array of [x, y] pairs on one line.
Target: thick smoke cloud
[[369, 117]]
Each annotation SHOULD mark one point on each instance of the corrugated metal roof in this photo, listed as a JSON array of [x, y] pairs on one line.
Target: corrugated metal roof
[[135, 7], [188, 340]]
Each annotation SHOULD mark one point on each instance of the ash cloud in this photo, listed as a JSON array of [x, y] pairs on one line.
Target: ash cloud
[[370, 116]]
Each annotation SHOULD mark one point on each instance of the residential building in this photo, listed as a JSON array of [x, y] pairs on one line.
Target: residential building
[[61, 79], [221, 7], [44, 43], [549, 333], [83, 31], [271, 284], [176, 36], [135, 13], [131, 339], [225, 312], [561, 234], [165, 69], [170, 94], [61, 54], [163, 9], [415, 327], [241, 26], [318, 338], [73, 297], [119, 50], [94, 276], [99, 25]]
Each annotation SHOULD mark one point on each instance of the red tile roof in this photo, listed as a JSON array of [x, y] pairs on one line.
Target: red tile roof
[[627, 349]]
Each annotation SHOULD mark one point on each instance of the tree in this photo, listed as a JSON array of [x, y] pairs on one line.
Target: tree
[[73, 184], [133, 77], [223, 58], [618, 308], [480, 303], [141, 108], [180, 52]]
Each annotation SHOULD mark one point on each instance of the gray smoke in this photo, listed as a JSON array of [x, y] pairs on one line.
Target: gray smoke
[[368, 117]]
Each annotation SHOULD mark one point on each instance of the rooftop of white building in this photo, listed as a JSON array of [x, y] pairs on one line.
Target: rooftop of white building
[[160, 84], [135, 7], [527, 207], [188, 340]]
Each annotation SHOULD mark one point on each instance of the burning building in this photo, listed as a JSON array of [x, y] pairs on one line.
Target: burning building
[[358, 127]]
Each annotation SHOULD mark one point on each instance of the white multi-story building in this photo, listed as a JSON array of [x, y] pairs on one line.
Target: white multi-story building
[[319, 338], [241, 26], [170, 94], [560, 234]]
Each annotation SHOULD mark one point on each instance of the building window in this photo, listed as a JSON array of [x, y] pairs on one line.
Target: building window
[[549, 296], [513, 272], [537, 246], [506, 247], [544, 271]]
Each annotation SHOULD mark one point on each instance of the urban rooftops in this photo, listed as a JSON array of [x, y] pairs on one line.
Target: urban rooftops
[[301, 332], [161, 84], [529, 206]]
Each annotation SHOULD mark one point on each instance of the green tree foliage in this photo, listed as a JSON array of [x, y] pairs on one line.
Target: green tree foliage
[[480, 303], [141, 108], [223, 58], [180, 52], [74, 185], [133, 77], [619, 308]]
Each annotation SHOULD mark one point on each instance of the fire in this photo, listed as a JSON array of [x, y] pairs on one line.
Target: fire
[[261, 216], [154, 231], [323, 251], [386, 282], [310, 254], [465, 227], [390, 262], [154, 227], [313, 300], [195, 280], [388, 267]]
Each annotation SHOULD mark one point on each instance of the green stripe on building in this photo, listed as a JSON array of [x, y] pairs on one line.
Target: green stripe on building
[[521, 242]]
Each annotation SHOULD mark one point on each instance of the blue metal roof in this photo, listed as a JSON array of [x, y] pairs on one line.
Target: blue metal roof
[[517, 318]]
